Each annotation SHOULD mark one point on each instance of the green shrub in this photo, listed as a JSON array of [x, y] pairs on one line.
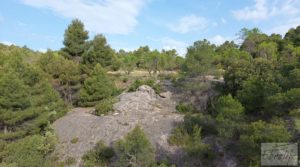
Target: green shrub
[[206, 122], [185, 108], [179, 136], [261, 132], [100, 155], [192, 144], [149, 82], [105, 106], [30, 151], [135, 150], [74, 140]]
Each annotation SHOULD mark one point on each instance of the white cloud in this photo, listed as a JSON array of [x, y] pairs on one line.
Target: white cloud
[[7, 43], [283, 28], [265, 9], [169, 43], [257, 12], [218, 39], [99, 16], [188, 24]]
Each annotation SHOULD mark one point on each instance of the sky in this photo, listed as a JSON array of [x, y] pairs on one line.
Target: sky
[[128, 24]]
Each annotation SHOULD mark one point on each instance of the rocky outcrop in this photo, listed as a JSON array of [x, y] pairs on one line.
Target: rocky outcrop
[[155, 114]]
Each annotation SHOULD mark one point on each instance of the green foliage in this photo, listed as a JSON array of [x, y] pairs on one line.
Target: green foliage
[[27, 101], [252, 38], [235, 75], [99, 52], [257, 133], [206, 122], [267, 50], [293, 36], [74, 39], [105, 106], [281, 103], [229, 115], [255, 92], [64, 75], [100, 156], [137, 83], [135, 150], [192, 143], [185, 108], [30, 151], [74, 140], [199, 59], [128, 63], [96, 87], [151, 62]]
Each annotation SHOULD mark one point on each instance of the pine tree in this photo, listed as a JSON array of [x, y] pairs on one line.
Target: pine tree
[[74, 38], [96, 88], [99, 52]]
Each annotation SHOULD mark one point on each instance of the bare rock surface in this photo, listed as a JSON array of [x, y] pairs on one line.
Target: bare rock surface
[[79, 130]]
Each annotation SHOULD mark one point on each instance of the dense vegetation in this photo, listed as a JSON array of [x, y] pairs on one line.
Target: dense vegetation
[[258, 101]]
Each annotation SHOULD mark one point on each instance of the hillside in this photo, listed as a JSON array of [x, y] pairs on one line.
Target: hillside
[[89, 105]]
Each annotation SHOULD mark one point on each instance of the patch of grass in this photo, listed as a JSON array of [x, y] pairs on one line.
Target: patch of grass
[[185, 108], [74, 140], [105, 106]]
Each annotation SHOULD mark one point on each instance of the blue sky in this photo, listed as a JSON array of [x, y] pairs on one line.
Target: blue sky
[[128, 24]]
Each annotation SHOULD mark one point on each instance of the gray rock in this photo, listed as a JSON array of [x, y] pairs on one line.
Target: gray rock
[[156, 115]]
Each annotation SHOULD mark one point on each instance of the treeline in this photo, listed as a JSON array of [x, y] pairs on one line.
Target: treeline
[[74, 69], [257, 103]]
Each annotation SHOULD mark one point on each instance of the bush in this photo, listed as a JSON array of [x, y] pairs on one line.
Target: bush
[[148, 82], [30, 151], [185, 108], [135, 150], [74, 140], [229, 116], [100, 155], [206, 122], [105, 106], [192, 144], [261, 132]]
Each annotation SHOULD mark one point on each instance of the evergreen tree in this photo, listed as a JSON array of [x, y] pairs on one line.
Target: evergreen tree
[[199, 59], [99, 52], [96, 88], [74, 39]]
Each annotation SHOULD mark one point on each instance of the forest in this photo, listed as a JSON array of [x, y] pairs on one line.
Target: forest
[[253, 90]]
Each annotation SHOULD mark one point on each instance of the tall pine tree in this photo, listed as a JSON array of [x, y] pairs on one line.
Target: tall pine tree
[[75, 38]]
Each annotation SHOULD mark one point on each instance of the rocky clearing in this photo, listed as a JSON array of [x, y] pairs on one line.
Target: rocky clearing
[[79, 130]]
